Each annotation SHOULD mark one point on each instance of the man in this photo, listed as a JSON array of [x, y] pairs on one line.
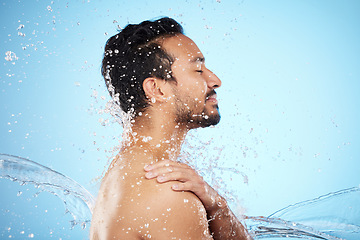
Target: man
[[158, 77]]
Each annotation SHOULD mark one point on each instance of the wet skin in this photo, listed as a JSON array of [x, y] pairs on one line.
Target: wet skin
[[195, 96], [144, 194]]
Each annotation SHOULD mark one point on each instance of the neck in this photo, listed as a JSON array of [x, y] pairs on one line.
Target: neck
[[156, 135]]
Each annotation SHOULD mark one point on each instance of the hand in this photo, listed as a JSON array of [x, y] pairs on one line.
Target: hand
[[223, 224], [187, 180]]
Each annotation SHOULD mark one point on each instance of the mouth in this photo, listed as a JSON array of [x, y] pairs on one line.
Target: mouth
[[211, 97]]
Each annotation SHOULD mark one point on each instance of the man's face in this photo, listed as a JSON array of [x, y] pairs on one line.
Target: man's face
[[194, 96]]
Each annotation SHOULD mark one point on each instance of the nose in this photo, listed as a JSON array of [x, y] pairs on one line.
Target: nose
[[212, 80]]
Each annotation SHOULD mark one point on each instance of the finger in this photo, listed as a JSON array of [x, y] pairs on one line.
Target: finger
[[158, 172], [158, 169], [198, 189], [177, 172], [163, 163], [158, 164], [210, 200], [176, 176], [185, 186]]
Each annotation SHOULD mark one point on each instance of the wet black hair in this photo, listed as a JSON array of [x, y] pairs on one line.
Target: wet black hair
[[135, 54]]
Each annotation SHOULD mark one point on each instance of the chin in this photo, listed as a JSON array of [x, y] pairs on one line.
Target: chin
[[203, 122], [212, 121], [213, 118]]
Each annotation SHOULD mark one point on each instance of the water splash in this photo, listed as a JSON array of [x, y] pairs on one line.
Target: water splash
[[263, 227], [331, 217], [125, 119], [206, 158], [78, 201]]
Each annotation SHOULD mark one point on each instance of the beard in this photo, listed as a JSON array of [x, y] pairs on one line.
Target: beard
[[185, 113]]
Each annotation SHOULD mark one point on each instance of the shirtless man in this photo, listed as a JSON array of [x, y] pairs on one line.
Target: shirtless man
[[158, 75]]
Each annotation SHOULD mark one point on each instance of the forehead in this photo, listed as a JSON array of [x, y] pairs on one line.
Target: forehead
[[182, 48]]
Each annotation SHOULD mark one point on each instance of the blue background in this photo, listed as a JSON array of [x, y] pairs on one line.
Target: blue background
[[289, 99]]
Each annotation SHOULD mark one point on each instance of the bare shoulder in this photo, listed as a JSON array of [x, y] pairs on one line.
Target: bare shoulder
[[131, 207], [171, 215]]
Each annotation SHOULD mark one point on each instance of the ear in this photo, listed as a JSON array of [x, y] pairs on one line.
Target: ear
[[154, 89]]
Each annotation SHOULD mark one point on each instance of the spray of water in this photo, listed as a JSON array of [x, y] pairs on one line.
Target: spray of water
[[78, 201], [332, 216]]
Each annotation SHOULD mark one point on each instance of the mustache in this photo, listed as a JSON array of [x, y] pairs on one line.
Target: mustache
[[212, 92]]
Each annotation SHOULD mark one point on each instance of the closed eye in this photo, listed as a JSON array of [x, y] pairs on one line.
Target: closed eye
[[199, 71]]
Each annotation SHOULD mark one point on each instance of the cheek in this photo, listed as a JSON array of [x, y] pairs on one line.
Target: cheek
[[199, 92], [200, 88], [199, 85], [204, 85]]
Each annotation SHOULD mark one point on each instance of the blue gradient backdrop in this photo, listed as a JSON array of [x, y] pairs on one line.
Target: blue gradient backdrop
[[289, 100]]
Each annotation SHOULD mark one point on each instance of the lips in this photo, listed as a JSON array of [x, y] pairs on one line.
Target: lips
[[212, 97]]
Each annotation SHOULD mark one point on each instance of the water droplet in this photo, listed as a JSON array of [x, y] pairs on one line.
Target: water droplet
[[10, 56], [20, 26]]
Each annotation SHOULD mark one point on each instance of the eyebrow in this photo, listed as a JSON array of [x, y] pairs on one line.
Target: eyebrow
[[198, 59]]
